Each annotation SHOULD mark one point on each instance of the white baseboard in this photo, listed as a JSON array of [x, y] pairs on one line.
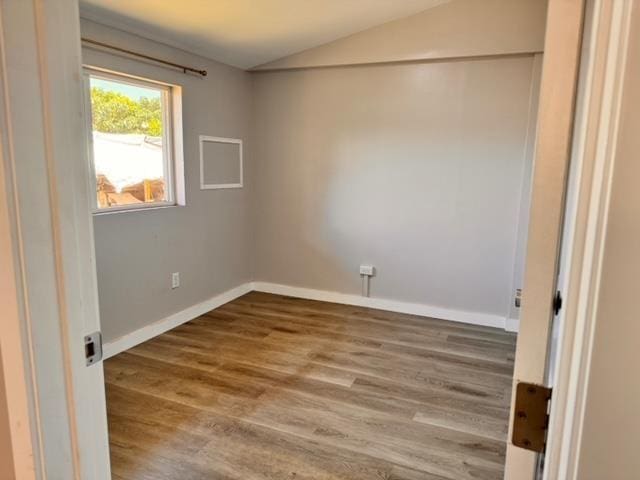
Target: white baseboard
[[146, 333], [512, 324], [473, 318], [161, 326]]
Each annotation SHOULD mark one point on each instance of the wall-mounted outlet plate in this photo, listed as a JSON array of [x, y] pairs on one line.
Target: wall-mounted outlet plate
[[175, 280], [367, 270]]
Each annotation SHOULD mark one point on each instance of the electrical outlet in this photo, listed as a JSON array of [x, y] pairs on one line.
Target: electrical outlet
[[175, 280], [367, 270]]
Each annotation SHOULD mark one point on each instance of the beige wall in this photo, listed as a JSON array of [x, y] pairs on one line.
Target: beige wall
[[457, 28], [611, 432], [207, 241], [415, 168]]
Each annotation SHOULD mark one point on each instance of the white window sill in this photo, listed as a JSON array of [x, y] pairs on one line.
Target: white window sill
[[100, 213]]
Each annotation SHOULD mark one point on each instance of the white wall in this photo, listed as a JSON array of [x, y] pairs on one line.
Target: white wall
[[407, 146], [207, 241], [418, 168], [611, 431], [414, 168], [454, 29], [525, 192]]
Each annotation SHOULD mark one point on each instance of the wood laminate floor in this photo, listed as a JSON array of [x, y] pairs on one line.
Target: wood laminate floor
[[271, 387]]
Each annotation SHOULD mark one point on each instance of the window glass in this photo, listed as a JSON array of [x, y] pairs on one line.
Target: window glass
[[130, 157]]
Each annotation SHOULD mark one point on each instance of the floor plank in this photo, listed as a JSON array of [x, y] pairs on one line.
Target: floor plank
[[271, 387]]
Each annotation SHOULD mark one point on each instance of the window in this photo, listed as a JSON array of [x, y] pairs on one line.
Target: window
[[133, 151]]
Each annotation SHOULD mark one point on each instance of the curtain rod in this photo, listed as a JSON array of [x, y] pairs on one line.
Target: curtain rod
[[147, 57]]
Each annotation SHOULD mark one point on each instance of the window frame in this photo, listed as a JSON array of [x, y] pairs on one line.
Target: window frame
[[171, 140]]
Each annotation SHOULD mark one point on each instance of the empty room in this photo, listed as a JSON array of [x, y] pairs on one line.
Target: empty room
[[285, 239], [318, 278]]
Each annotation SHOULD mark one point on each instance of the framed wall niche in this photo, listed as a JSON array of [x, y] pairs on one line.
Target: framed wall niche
[[220, 163]]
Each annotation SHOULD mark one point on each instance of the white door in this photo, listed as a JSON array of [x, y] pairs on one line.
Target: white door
[[553, 146], [563, 235], [48, 201], [605, 46]]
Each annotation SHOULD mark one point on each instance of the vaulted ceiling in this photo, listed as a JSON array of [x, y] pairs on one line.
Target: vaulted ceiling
[[246, 33]]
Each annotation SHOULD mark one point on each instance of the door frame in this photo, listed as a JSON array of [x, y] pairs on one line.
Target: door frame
[[603, 61], [556, 113], [16, 389], [604, 58], [47, 241]]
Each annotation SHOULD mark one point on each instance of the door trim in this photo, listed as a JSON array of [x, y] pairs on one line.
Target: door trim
[[604, 61], [603, 64], [558, 87], [51, 229], [16, 375]]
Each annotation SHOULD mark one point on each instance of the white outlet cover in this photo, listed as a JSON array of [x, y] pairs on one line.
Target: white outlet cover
[[367, 270], [175, 280]]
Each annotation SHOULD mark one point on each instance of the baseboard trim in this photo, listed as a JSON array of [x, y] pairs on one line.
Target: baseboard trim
[[473, 318], [161, 326], [512, 324], [172, 321]]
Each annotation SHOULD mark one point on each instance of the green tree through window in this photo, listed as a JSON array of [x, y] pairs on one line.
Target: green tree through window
[[113, 112]]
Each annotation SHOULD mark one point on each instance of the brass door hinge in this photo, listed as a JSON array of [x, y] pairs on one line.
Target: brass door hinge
[[531, 417]]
